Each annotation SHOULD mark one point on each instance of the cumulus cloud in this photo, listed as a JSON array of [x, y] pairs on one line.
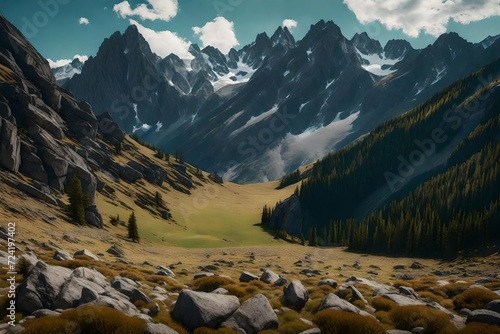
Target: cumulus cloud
[[84, 21], [164, 43], [290, 24], [62, 62], [155, 10], [429, 16], [218, 33]]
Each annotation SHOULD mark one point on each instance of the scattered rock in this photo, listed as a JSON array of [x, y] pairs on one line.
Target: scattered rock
[[138, 295], [116, 251], [200, 309], [416, 265], [484, 316], [402, 300], [61, 255], [399, 267], [201, 275], [334, 302], [253, 316], [269, 277], [86, 253], [409, 292], [494, 306], [123, 285], [295, 295], [247, 277]]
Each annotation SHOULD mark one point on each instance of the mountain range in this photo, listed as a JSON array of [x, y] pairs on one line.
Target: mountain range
[[276, 104]]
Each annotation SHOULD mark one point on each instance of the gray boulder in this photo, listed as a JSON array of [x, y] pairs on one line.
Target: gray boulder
[[494, 306], [138, 295], [86, 253], [484, 316], [10, 146], [402, 300], [83, 286], [295, 295], [44, 313], [253, 316], [248, 277], [269, 277], [201, 275], [409, 292], [130, 174], [61, 255], [288, 216], [158, 329], [200, 309], [41, 288], [123, 285], [334, 302], [32, 165], [93, 217], [115, 251], [356, 295], [166, 271]]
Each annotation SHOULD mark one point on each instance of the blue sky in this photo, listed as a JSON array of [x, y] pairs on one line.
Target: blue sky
[[61, 29]]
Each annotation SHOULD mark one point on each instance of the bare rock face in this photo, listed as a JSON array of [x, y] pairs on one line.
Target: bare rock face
[[288, 216], [10, 146], [200, 309]]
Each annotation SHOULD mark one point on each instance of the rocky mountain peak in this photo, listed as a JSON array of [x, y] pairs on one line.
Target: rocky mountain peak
[[283, 37], [366, 45], [397, 49]]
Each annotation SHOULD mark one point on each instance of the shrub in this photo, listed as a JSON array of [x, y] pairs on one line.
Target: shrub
[[453, 289], [208, 284], [339, 322], [432, 320], [235, 290], [480, 328], [383, 304], [473, 299], [164, 317], [76, 263], [87, 319], [131, 275]]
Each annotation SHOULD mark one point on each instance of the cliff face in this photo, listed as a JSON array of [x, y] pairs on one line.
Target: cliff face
[[38, 121]]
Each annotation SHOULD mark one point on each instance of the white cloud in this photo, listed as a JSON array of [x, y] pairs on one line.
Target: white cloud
[[414, 16], [62, 62], [164, 43], [290, 24], [218, 33], [84, 21], [157, 10]]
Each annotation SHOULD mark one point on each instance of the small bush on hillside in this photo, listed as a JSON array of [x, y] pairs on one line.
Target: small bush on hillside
[[339, 322], [474, 299], [209, 284], [480, 328], [432, 320], [383, 304], [87, 319], [453, 289]]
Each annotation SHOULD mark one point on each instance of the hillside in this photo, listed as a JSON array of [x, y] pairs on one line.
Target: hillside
[[433, 152]]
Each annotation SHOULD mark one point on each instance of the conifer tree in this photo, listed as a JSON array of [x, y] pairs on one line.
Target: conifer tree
[[133, 231], [78, 200]]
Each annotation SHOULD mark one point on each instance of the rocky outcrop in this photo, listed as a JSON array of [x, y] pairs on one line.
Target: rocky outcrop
[[288, 216], [253, 316], [200, 309], [10, 145]]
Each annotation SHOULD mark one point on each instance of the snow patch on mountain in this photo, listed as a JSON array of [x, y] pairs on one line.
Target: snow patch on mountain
[[256, 119], [242, 74], [376, 63]]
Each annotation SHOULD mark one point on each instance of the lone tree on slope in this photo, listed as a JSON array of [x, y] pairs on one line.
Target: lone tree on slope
[[133, 231]]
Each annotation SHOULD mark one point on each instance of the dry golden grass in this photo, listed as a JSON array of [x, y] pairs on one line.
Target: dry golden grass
[[209, 284], [383, 304], [290, 323], [480, 328], [474, 299], [432, 320], [87, 319], [339, 322]]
